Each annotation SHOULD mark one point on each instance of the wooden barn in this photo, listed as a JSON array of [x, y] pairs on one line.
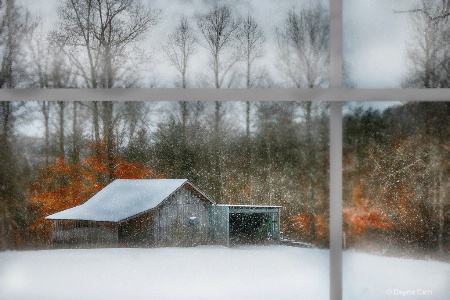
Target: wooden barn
[[161, 212]]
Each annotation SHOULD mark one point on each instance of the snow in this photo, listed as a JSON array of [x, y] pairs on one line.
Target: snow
[[204, 272], [121, 199], [371, 277], [213, 272]]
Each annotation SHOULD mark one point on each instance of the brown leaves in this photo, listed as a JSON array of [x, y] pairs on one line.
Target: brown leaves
[[65, 185], [301, 228]]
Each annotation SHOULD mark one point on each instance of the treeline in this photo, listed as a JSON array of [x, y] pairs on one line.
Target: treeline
[[273, 153], [397, 179], [116, 44]]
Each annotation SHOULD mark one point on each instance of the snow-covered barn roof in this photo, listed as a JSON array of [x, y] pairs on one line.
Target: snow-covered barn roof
[[123, 198]]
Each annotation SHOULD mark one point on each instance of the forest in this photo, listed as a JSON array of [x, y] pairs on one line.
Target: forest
[[396, 179]]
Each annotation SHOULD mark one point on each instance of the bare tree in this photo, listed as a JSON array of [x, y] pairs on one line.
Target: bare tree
[[427, 52], [304, 59], [303, 43], [433, 10], [45, 109], [108, 135], [12, 197], [310, 169], [100, 39], [14, 26], [95, 121], [219, 30], [180, 48], [251, 39], [46, 63], [75, 134]]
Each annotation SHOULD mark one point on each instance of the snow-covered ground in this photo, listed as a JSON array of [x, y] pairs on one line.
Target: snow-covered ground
[[212, 272], [371, 277], [206, 272]]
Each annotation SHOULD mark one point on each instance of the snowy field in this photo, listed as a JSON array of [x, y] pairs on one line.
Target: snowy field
[[212, 272], [371, 277], [206, 272]]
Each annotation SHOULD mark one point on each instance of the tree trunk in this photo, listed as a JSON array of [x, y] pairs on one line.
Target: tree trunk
[[247, 145], [4, 165], [75, 141], [95, 121], [310, 170], [441, 216], [61, 128], [109, 137], [217, 154], [108, 71], [45, 111], [216, 70]]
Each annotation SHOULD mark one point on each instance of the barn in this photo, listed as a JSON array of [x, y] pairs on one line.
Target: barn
[[161, 212]]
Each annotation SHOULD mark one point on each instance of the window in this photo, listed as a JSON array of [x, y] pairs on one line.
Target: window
[[340, 89]]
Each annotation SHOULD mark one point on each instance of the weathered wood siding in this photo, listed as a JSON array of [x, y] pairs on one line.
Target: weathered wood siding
[[182, 220], [138, 231], [84, 234]]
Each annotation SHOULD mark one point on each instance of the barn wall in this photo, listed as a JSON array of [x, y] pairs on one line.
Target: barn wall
[[174, 224], [138, 231], [84, 234]]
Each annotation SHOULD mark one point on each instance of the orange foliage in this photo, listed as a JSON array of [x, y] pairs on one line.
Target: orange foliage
[[361, 218], [64, 185], [301, 228], [361, 221]]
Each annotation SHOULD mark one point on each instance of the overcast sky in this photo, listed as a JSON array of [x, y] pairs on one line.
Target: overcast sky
[[374, 36], [375, 39], [269, 14]]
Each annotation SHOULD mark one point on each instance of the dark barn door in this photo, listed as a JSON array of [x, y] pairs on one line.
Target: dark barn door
[[136, 232], [250, 228]]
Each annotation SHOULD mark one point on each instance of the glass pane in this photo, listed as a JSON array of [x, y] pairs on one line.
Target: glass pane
[[165, 44], [251, 221], [389, 44], [396, 200]]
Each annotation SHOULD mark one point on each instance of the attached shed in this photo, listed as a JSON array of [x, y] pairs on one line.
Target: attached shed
[[157, 212], [245, 224]]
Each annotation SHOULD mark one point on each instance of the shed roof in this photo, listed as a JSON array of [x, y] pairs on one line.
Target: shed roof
[[121, 199]]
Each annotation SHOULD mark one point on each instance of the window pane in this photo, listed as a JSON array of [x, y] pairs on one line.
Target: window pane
[[258, 184], [165, 44], [389, 44], [396, 200]]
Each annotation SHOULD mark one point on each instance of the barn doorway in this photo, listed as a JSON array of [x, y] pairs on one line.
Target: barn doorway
[[250, 228], [245, 224]]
